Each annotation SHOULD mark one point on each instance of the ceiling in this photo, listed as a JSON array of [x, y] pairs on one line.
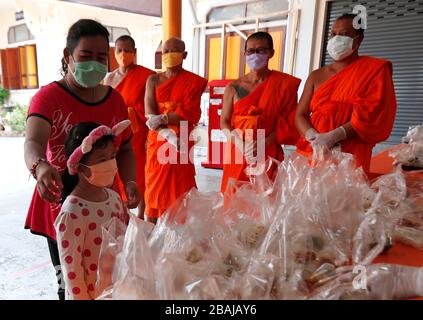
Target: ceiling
[[145, 7]]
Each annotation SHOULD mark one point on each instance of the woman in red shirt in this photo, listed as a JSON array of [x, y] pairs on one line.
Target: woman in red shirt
[[55, 109]]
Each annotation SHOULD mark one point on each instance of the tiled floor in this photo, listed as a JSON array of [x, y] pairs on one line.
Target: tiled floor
[[207, 179]]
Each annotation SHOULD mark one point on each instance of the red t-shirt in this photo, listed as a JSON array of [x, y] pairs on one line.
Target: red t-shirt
[[63, 110]]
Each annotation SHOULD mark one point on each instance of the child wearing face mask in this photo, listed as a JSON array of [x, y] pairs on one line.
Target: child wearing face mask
[[89, 203]]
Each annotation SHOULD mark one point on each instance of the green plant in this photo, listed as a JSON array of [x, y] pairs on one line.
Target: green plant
[[16, 119], [4, 95]]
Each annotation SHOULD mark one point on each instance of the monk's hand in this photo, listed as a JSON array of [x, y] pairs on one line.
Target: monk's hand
[[250, 150], [387, 281], [155, 121], [236, 139], [170, 137], [311, 134], [329, 139], [49, 183], [132, 194]]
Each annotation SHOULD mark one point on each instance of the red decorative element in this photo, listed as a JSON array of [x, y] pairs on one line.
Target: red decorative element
[[93, 267], [76, 290], [92, 226], [68, 259]]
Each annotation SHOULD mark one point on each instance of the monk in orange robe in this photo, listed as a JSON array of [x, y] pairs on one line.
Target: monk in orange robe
[[350, 102], [172, 105], [130, 79], [262, 99]]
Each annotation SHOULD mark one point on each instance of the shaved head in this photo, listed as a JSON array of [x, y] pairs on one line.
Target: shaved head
[[174, 44]]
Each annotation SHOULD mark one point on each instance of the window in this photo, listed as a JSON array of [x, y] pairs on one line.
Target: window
[[263, 7], [251, 9], [19, 33], [116, 32], [227, 13], [19, 68]]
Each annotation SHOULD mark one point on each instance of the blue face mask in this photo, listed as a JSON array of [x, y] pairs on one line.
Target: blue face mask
[[89, 74]]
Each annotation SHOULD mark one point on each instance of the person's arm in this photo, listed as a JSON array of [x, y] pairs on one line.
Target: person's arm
[[127, 172], [302, 116], [49, 182], [303, 124], [349, 130], [227, 110], [150, 103], [270, 139], [155, 121]]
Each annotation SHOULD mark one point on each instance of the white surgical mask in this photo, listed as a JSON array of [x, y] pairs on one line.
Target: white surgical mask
[[340, 47]]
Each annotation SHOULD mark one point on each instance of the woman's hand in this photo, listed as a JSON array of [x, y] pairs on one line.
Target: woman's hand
[[49, 183], [133, 194]]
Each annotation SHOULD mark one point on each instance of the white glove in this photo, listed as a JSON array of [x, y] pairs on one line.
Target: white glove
[[311, 134], [154, 121], [249, 151], [245, 147], [170, 137], [328, 139], [389, 281]]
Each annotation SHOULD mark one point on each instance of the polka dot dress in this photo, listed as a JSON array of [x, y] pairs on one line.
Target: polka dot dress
[[79, 238]]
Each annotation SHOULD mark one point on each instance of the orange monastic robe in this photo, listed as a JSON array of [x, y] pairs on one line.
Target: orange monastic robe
[[132, 89], [165, 182], [271, 106], [363, 94]]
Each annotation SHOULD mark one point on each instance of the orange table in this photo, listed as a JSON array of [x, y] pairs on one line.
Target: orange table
[[399, 253]]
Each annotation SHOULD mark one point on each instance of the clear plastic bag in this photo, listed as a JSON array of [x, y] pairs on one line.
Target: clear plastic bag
[[410, 153], [264, 239], [134, 272], [113, 236]]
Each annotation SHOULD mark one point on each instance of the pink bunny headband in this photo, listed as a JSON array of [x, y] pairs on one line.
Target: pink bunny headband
[[87, 144]]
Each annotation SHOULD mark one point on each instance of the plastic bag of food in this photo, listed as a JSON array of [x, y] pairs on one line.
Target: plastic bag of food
[[410, 236], [410, 153], [113, 236], [134, 271], [192, 217]]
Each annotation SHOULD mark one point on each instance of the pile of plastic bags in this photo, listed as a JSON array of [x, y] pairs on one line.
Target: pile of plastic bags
[[260, 240], [410, 152]]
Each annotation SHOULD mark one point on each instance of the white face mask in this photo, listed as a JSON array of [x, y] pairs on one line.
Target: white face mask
[[340, 47]]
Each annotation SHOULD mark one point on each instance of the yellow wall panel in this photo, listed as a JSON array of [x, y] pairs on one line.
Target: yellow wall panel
[[32, 66], [214, 58], [232, 57], [23, 67], [275, 62]]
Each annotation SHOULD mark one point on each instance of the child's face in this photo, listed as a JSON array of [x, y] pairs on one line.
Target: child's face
[[99, 155]]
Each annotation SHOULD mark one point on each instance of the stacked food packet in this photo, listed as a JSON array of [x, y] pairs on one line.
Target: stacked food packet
[[283, 238]]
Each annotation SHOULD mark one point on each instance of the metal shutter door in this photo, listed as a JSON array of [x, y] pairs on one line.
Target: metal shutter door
[[394, 32]]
